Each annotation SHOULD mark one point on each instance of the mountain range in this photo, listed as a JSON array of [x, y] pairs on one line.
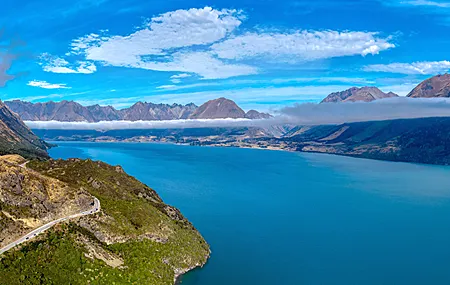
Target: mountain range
[[70, 111], [364, 94]]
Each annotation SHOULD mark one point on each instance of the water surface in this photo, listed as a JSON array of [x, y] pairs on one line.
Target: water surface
[[280, 218]]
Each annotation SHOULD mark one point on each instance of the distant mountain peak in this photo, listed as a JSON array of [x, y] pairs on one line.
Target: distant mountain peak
[[220, 108], [436, 86], [355, 94]]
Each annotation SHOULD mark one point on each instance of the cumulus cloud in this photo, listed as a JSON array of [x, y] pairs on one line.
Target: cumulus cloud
[[301, 45], [420, 67], [176, 29], [46, 85], [152, 46], [206, 42], [55, 64], [386, 109], [135, 125]]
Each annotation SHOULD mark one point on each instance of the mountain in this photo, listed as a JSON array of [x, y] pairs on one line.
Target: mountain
[[220, 108], [255, 115], [16, 137], [69, 111], [436, 86], [51, 111], [149, 112], [135, 238], [355, 94]]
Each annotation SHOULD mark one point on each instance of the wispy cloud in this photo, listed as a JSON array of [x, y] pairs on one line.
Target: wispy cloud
[[56, 64], [421, 67], [177, 77], [46, 85], [426, 3]]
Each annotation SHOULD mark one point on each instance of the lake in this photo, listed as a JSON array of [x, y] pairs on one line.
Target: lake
[[280, 218]]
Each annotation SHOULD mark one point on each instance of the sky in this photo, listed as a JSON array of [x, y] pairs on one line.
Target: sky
[[263, 54]]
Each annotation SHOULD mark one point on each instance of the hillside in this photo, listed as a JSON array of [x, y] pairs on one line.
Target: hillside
[[134, 239], [17, 138], [409, 140], [436, 86], [364, 94]]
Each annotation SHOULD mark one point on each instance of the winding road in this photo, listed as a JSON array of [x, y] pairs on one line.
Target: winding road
[[95, 208]]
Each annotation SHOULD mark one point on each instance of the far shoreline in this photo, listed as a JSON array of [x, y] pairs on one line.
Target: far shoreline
[[251, 148]]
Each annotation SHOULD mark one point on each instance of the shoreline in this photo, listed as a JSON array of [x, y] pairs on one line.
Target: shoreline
[[179, 275], [254, 148]]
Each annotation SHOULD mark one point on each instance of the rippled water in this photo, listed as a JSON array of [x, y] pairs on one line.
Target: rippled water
[[288, 218]]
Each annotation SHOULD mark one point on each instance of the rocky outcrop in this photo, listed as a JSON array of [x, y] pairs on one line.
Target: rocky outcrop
[[436, 86], [363, 94]]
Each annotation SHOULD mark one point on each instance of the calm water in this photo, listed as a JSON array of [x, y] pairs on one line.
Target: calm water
[[280, 218]]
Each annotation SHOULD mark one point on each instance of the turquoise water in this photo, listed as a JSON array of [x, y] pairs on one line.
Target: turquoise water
[[280, 218]]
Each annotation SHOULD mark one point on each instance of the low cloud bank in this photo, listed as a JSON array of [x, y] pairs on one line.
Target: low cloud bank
[[299, 114], [136, 125], [386, 109]]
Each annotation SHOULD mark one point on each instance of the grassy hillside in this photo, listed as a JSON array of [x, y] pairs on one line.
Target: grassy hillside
[[135, 239]]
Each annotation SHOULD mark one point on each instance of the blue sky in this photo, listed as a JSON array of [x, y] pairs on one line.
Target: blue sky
[[263, 54]]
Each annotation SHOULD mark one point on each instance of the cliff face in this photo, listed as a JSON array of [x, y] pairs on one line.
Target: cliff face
[[135, 237], [17, 138], [436, 86], [364, 94]]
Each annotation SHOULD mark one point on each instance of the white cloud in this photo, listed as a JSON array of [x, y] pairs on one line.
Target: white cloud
[[177, 77], [427, 3], [205, 42], [180, 28], [421, 67], [201, 63], [46, 85], [301, 45], [158, 45], [135, 125], [166, 87], [181, 75], [54, 64]]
